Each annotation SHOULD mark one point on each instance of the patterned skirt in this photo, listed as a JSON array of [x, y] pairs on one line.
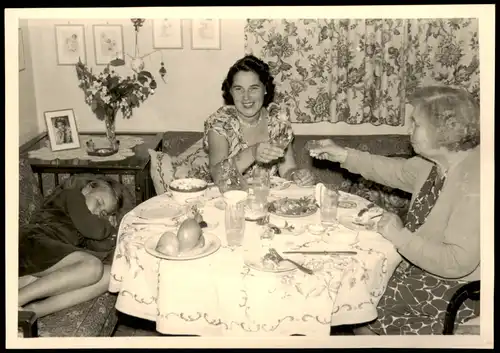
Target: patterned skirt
[[415, 302]]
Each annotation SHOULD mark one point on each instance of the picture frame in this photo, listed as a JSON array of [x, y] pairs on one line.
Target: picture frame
[[205, 34], [62, 130], [22, 64], [108, 43], [167, 33], [70, 44]]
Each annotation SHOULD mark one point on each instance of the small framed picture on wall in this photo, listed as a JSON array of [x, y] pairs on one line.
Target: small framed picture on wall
[[205, 34], [62, 129], [167, 33], [70, 44], [108, 43], [21, 51]]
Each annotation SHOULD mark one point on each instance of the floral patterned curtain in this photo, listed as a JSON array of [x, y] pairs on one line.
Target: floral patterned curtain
[[361, 70]]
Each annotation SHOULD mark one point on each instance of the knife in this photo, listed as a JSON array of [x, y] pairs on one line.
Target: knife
[[322, 252]]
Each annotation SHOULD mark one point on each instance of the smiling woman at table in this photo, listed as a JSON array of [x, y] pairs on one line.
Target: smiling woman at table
[[249, 128], [440, 237]]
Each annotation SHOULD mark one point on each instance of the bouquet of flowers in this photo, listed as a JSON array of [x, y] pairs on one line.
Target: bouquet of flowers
[[108, 92]]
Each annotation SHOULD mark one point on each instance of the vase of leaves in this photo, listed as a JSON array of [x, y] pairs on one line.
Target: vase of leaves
[[109, 93]]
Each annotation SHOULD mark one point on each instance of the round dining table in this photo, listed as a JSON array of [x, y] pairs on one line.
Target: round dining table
[[220, 295]]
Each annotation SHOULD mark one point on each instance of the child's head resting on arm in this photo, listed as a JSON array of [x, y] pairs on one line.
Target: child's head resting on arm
[[103, 197]]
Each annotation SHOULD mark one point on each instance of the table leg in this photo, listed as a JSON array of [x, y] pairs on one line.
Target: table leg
[[140, 187]]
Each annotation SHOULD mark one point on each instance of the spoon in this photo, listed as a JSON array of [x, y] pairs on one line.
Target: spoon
[[279, 258]]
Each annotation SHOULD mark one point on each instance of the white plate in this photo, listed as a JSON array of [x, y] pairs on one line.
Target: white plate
[[160, 212], [351, 221], [211, 225], [308, 213], [347, 204], [254, 262], [212, 244]]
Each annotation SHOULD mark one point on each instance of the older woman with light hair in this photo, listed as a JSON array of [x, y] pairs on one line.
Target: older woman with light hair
[[439, 240]]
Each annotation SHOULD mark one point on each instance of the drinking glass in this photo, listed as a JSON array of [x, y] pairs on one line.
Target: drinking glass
[[235, 216], [261, 185], [328, 207]]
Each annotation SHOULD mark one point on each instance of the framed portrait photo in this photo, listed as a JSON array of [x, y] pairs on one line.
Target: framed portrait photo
[[108, 43], [62, 129], [205, 34], [167, 33], [70, 44]]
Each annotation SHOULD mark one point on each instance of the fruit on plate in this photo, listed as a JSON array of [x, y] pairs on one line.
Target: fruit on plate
[[168, 244], [189, 235]]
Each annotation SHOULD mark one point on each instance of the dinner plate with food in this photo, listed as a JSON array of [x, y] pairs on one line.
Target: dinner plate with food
[[275, 183], [189, 242], [293, 207], [366, 219], [264, 261]]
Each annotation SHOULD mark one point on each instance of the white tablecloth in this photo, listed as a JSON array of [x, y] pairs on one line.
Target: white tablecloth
[[219, 295]]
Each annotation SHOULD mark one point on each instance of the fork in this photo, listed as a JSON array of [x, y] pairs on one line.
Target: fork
[[279, 258]]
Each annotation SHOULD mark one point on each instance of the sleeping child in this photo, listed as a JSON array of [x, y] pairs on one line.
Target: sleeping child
[[68, 246]]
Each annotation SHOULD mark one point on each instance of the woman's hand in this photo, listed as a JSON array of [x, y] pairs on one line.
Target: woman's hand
[[389, 223], [327, 149], [303, 177], [264, 152]]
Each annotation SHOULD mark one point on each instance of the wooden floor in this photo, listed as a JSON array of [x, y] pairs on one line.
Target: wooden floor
[[129, 326]]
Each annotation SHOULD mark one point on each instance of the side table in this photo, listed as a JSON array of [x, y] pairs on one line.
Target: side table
[[137, 165]]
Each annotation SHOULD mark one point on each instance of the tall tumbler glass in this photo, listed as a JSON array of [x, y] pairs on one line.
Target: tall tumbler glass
[[235, 216], [329, 207], [261, 184]]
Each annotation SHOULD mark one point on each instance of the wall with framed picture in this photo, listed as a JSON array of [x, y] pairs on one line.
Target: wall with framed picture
[[205, 34], [108, 43], [70, 44], [62, 129], [167, 33]]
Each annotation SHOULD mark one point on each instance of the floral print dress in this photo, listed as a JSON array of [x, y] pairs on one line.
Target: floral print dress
[[226, 123], [415, 301]]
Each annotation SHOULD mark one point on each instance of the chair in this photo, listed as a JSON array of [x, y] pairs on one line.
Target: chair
[[470, 290]]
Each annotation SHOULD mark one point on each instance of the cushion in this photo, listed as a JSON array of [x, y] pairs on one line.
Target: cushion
[[192, 163], [30, 197]]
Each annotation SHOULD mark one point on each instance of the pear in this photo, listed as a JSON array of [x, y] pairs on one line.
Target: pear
[[168, 244], [189, 234]]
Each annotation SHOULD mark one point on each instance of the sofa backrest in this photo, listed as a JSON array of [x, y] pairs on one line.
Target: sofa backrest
[[30, 196]]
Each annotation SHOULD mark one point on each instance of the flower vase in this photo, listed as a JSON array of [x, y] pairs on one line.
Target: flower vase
[[114, 144]]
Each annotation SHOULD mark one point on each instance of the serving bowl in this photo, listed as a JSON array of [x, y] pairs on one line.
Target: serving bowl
[[187, 189]]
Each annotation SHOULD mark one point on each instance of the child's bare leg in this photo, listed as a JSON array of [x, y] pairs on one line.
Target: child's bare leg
[[77, 270], [69, 299]]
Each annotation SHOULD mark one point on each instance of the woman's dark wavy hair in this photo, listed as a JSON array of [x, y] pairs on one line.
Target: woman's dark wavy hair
[[252, 64]]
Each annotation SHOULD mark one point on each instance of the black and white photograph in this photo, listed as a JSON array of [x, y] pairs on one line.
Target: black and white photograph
[[62, 130], [290, 176]]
